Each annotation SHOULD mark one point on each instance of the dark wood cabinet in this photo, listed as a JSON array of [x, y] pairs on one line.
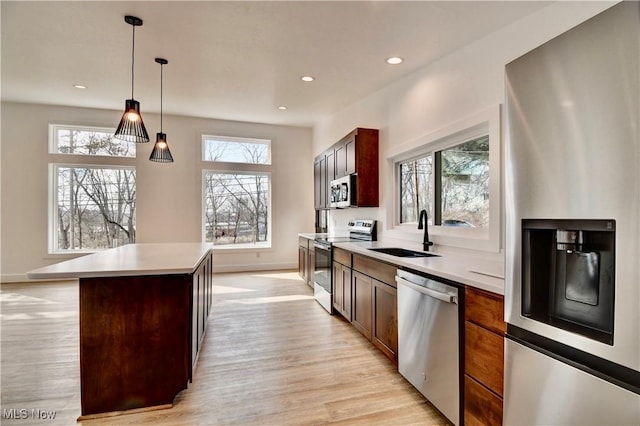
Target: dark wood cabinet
[[202, 299], [330, 159], [341, 160], [304, 260], [342, 282], [355, 154], [321, 184], [362, 314], [374, 301], [384, 334], [484, 330], [140, 336]]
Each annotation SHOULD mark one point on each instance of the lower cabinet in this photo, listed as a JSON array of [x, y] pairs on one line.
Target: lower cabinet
[[341, 273], [365, 293], [374, 311], [201, 302], [361, 285], [342, 289], [484, 330], [305, 267], [384, 333]]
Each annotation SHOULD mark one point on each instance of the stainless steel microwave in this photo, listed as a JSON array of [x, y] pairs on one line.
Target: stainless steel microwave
[[340, 192]]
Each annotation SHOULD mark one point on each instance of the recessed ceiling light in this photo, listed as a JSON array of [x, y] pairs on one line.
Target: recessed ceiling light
[[307, 78], [282, 107], [79, 86], [395, 60]]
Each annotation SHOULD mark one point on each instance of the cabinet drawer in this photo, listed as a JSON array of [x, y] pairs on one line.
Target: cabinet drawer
[[484, 356], [481, 407], [376, 269], [342, 256], [485, 309]]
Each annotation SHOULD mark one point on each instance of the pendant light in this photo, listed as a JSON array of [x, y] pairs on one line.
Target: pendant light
[[161, 153], [131, 127]]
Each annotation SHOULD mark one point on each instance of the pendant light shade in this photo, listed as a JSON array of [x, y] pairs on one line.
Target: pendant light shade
[[161, 152], [131, 127]]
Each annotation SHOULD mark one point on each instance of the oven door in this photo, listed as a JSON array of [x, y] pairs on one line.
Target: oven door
[[322, 275]]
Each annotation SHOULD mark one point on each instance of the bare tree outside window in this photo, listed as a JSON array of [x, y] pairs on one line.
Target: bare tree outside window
[[416, 188], [451, 184], [465, 184], [237, 202], [236, 208], [94, 206], [236, 150]]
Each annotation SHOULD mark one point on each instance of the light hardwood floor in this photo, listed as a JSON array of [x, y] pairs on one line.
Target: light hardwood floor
[[271, 356]]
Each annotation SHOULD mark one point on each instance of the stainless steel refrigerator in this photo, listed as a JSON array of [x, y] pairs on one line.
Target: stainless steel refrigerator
[[572, 296]]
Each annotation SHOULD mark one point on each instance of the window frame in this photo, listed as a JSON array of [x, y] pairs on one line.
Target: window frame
[[487, 122], [225, 167], [235, 139], [56, 160], [54, 128]]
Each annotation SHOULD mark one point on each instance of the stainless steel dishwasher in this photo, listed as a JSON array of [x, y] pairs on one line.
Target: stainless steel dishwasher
[[428, 340]]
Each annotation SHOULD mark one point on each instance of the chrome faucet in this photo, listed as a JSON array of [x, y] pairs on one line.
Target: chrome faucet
[[425, 240]]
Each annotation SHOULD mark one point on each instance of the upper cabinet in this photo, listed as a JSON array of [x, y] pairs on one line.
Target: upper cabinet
[[355, 154]]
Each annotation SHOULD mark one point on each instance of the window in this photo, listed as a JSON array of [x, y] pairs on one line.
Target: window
[[460, 175], [237, 194], [464, 184], [236, 150], [88, 141], [416, 188], [455, 174], [92, 207]]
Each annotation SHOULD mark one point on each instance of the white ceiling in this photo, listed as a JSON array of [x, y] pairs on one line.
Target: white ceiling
[[232, 60]]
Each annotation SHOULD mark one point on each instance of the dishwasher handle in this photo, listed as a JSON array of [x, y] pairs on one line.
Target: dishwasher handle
[[444, 297]]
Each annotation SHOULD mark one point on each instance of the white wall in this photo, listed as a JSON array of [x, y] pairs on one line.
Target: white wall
[[168, 195], [460, 85]]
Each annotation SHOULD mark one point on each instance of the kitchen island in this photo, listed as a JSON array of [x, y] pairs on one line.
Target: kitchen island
[[143, 312]]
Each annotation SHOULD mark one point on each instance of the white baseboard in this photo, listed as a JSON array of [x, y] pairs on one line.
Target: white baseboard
[[254, 267], [22, 278], [13, 278]]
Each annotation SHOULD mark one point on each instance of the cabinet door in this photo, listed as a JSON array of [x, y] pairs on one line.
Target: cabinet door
[[362, 315], [341, 160], [317, 179], [338, 287], [302, 263], [350, 156], [320, 182], [385, 320], [331, 169], [346, 295], [342, 289]]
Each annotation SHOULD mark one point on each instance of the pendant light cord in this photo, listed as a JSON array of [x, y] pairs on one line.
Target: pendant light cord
[[161, 65], [133, 58]]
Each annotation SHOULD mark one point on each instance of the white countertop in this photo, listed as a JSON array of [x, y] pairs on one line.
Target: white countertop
[[129, 260], [479, 271]]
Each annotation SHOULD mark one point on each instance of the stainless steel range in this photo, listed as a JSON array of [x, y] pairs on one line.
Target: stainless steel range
[[359, 230]]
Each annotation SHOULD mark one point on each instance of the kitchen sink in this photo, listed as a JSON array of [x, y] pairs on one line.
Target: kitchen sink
[[400, 252]]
